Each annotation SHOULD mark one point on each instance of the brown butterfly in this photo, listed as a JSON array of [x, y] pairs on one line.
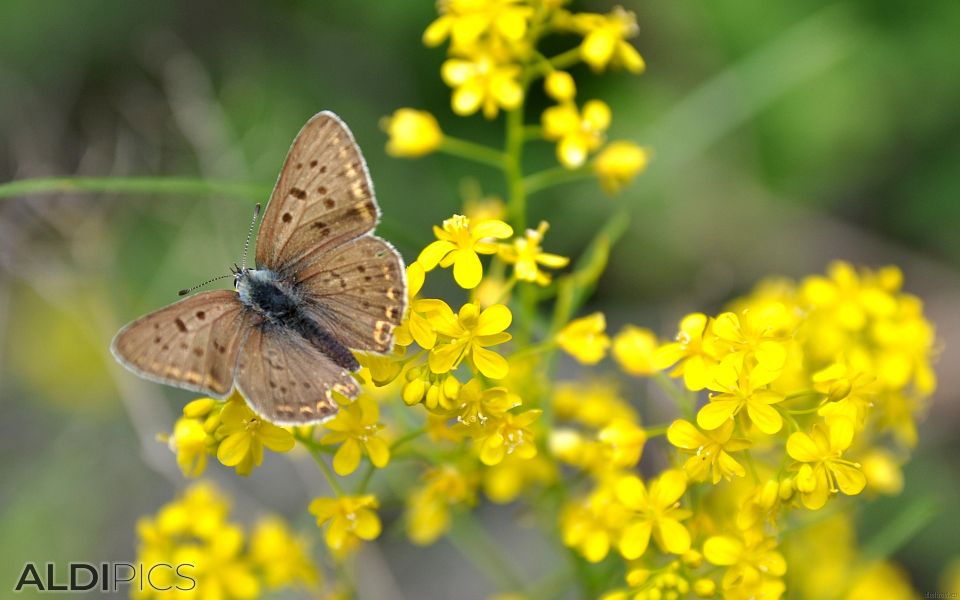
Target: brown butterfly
[[323, 285]]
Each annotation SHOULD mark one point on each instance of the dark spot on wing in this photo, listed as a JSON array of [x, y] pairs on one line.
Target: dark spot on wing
[[157, 340], [313, 163], [299, 165], [323, 168], [329, 202], [361, 268], [198, 352], [298, 193], [180, 325], [287, 217], [201, 315]]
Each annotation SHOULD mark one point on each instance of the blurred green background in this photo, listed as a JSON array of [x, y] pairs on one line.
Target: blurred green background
[[786, 134]]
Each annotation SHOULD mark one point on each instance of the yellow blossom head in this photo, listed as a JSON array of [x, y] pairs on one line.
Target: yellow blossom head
[[412, 133]]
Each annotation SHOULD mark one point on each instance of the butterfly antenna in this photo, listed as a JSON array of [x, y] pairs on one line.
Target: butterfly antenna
[[186, 291], [246, 243]]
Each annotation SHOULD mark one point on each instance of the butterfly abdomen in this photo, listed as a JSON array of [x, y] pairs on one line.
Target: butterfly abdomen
[[324, 341]]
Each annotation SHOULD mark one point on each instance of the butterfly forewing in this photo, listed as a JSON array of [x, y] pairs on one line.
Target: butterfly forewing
[[288, 381], [323, 197], [358, 292], [191, 344]]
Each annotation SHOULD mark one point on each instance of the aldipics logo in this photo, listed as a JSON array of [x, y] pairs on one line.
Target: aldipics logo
[[105, 577]]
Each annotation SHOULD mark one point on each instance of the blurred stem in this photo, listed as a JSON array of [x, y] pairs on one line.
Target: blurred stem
[[513, 170], [473, 541], [666, 384], [900, 529], [547, 178], [316, 452], [184, 186], [473, 151]]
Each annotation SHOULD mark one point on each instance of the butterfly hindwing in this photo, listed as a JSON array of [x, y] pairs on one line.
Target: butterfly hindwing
[[191, 344], [357, 292], [323, 197], [288, 381]]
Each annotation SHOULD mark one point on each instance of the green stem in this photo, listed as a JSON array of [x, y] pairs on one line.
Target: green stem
[[473, 541], [548, 178], [473, 151], [183, 186], [316, 452], [513, 170], [666, 384]]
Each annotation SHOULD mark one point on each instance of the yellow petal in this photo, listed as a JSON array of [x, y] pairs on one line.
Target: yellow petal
[[490, 363], [434, 251], [467, 270], [765, 417], [723, 550], [801, 447], [683, 434], [347, 458], [635, 540], [849, 479], [716, 413], [493, 319], [234, 449], [668, 488], [673, 536], [379, 452], [367, 525]]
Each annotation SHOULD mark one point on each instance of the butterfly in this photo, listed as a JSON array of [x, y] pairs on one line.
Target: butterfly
[[323, 285]]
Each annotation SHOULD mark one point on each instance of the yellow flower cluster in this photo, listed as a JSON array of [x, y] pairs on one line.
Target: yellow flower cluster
[[493, 55], [229, 430], [192, 550], [806, 384]]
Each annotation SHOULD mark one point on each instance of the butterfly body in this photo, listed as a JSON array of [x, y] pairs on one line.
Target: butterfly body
[[279, 304], [324, 286]]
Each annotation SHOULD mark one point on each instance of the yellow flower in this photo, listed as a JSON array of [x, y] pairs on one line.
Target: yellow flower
[[634, 348], [428, 508], [356, 428], [695, 349], [348, 519], [416, 326], [624, 442], [764, 501], [585, 339], [468, 22], [243, 435], [470, 332], [593, 524], [757, 334], [191, 443], [753, 564], [618, 163], [193, 530], [476, 405], [527, 256], [882, 471], [505, 481], [560, 86], [482, 82], [824, 471], [741, 388], [412, 133], [604, 40], [283, 558], [576, 135], [711, 451], [849, 394], [655, 512], [508, 434], [595, 404], [458, 243]]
